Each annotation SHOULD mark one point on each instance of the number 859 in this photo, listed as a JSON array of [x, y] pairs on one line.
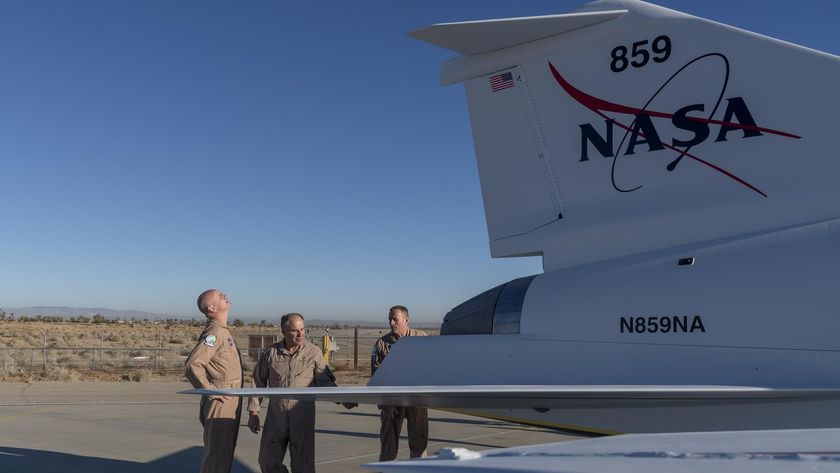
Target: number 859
[[660, 46]]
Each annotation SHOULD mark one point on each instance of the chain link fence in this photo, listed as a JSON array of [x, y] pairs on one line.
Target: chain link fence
[[348, 352]]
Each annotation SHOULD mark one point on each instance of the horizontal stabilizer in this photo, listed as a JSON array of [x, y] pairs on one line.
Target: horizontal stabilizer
[[521, 396], [477, 37]]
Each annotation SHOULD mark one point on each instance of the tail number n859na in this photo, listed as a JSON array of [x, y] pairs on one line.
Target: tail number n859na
[[662, 324]]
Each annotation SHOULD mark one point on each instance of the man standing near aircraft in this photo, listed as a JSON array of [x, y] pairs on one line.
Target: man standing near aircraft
[[215, 364], [392, 416], [292, 362]]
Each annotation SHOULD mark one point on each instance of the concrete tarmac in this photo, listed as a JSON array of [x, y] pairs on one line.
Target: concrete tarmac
[[146, 427]]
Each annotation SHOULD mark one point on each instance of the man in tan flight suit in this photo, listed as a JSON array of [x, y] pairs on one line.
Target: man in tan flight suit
[[392, 416], [215, 363], [290, 363]]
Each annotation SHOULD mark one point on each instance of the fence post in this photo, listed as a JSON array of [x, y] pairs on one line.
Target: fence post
[[45, 352], [154, 352], [157, 347], [356, 348]]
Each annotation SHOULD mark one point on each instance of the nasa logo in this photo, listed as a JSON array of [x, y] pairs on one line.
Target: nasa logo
[[642, 131]]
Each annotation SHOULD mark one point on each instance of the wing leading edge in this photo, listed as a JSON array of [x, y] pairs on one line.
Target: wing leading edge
[[531, 396]]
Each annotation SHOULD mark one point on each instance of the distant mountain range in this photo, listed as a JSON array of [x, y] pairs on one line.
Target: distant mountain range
[[86, 311], [128, 314]]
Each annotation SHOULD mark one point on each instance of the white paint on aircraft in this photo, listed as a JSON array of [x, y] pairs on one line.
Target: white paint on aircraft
[[790, 451]]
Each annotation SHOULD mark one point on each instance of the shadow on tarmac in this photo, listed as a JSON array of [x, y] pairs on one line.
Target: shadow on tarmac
[[449, 420], [403, 437], [22, 460]]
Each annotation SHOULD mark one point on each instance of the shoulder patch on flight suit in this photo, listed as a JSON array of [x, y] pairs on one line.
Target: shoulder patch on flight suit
[[210, 340], [230, 342]]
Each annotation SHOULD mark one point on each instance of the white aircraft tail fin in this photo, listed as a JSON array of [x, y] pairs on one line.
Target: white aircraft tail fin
[[629, 119]]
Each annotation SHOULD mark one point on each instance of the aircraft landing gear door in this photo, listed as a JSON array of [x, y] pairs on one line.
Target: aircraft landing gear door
[[518, 184]]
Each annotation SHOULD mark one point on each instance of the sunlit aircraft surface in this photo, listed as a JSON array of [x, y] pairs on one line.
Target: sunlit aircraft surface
[[677, 177]]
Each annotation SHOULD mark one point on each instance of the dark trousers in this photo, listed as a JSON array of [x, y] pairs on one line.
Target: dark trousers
[[389, 434], [220, 418]]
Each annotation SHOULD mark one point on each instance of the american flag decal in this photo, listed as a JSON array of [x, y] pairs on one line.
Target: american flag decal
[[501, 81]]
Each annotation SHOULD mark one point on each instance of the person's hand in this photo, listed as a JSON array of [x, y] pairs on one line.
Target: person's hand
[[254, 422], [349, 405]]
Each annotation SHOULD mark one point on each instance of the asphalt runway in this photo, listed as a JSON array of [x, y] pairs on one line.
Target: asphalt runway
[[146, 427]]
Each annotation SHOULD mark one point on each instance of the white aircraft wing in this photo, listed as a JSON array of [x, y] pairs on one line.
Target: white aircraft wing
[[531, 397], [769, 451]]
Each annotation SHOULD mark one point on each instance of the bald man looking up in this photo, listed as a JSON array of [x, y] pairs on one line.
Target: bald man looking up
[[215, 363]]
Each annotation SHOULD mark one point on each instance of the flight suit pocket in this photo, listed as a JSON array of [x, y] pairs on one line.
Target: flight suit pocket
[[304, 370]]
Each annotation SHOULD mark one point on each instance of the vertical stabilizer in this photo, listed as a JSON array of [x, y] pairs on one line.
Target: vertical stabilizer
[[625, 127]]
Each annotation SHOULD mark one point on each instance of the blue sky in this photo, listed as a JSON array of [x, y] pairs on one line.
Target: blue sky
[[300, 156]]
